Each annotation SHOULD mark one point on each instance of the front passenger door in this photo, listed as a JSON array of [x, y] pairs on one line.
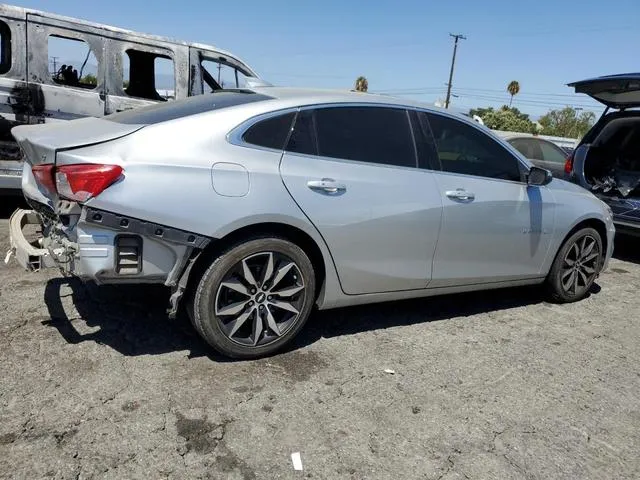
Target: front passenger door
[[495, 227]]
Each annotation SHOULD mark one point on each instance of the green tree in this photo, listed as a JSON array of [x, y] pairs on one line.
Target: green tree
[[362, 85], [89, 79], [513, 88], [506, 118], [567, 123]]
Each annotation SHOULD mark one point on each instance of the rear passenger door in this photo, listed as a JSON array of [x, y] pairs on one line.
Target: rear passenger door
[[353, 171]]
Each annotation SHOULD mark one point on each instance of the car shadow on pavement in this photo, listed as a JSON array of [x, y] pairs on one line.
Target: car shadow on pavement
[[132, 319], [352, 320]]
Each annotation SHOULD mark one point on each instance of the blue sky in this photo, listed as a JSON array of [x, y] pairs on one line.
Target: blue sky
[[402, 46]]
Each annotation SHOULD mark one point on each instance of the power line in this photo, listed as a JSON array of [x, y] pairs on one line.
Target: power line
[[526, 101], [456, 37], [490, 90]]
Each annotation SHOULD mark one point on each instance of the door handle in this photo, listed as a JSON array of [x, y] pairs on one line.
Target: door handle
[[327, 185], [460, 194]]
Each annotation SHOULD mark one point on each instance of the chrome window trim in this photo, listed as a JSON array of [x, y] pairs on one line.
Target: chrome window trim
[[235, 135]]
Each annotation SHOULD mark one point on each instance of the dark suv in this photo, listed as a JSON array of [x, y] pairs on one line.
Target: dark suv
[[607, 159]]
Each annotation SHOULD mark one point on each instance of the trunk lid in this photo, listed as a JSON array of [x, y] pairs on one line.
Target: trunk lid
[[615, 91], [41, 143]]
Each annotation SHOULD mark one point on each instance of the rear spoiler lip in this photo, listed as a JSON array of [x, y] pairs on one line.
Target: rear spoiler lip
[[41, 142]]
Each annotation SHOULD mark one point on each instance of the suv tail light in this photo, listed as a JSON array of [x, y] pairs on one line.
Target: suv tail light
[[568, 165]]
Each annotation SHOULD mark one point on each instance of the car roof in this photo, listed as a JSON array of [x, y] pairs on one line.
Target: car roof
[[318, 96]]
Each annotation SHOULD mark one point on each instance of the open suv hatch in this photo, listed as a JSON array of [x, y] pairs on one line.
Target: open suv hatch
[[607, 160]]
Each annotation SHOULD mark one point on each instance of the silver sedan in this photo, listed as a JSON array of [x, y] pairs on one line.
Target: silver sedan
[[256, 205]]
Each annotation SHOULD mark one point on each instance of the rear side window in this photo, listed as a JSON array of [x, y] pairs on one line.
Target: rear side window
[[302, 139], [271, 132], [148, 75], [551, 153], [465, 149], [366, 134], [528, 148]]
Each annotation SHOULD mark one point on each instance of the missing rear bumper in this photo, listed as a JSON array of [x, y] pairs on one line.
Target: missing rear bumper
[[29, 255]]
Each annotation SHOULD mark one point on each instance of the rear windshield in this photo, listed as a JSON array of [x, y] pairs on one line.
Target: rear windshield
[[164, 112]]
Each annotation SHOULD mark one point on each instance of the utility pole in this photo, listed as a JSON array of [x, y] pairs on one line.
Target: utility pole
[[55, 65], [453, 62]]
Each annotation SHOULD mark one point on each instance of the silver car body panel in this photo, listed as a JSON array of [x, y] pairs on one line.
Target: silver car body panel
[[392, 234]]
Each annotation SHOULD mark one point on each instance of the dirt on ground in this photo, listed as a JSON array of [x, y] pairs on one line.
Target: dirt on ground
[[97, 382]]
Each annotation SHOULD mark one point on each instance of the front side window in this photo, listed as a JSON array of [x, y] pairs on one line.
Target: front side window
[[366, 134], [465, 149], [271, 132], [527, 147], [551, 153], [218, 75]]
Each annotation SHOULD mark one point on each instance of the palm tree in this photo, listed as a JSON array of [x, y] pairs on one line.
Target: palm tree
[[513, 88], [361, 84]]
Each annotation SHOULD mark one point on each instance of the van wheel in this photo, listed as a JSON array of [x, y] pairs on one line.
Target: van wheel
[[576, 266], [255, 297]]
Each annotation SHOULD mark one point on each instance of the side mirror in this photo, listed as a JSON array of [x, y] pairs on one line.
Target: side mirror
[[539, 176]]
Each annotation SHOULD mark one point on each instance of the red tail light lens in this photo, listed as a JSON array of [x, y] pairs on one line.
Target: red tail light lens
[[44, 176], [84, 181], [568, 165]]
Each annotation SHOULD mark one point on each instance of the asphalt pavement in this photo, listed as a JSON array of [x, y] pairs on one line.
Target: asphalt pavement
[[97, 382]]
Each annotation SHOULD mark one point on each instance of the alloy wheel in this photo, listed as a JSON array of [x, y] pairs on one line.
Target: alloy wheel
[[259, 298], [580, 265]]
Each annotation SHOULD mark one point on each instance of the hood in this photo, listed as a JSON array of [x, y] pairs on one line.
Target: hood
[[615, 91]]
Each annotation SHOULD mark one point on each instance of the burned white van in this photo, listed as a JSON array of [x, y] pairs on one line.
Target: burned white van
[[55, 68]]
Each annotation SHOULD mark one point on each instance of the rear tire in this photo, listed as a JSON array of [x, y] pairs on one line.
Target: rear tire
[[254, 298], [576, 266]]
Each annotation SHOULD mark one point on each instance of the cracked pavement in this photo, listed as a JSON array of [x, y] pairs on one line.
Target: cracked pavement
[[97, 382]]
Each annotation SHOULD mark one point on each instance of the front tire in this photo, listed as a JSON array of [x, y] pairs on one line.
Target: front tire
[[576, 266], [255, 297]]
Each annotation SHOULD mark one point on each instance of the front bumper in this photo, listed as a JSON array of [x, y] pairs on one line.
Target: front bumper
[[103, 247]]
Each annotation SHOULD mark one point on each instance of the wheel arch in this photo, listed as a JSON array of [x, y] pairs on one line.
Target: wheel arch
[[282, 230], [597, 224]]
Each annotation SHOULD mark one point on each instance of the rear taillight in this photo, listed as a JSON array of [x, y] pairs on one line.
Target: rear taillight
[[44, 176], [568, 164], [84, 181], [76, 182]]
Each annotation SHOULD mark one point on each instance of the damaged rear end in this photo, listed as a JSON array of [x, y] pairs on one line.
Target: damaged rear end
[[56, 187], [62, 177], [607, 161]]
